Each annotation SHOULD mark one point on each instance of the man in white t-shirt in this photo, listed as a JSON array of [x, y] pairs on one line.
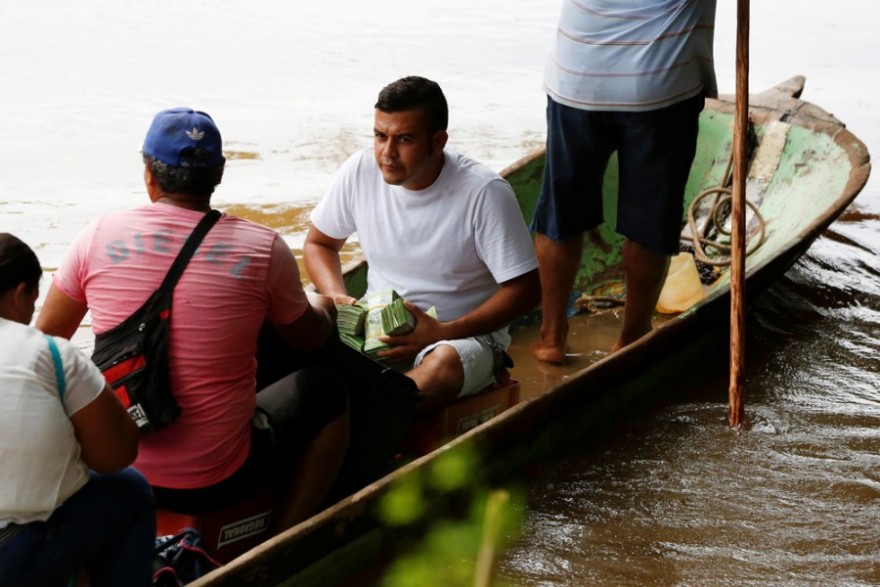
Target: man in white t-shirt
[[440, 229]]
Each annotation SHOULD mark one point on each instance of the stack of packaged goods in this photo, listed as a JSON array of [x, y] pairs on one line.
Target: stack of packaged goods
[[373, 327], [396, 319], [350, 321], [381, 313]]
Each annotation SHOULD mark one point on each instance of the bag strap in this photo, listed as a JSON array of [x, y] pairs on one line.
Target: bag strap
[[188, 250], [59, 368]]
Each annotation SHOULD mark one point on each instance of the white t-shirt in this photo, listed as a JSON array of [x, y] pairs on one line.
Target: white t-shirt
[[448, 245], [40, 456]]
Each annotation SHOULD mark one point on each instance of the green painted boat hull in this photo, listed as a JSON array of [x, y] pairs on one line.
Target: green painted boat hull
[[810, 170]]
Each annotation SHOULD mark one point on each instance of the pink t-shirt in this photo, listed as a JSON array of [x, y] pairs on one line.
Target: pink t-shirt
[[241, 274]]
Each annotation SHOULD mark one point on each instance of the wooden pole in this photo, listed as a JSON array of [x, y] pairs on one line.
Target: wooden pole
[[737, 264]]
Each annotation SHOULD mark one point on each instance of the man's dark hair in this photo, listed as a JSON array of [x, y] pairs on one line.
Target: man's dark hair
[[416, 92], [18, 264], [194, 181]]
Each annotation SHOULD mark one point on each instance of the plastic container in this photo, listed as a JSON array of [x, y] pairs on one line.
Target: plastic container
[[682, 288]]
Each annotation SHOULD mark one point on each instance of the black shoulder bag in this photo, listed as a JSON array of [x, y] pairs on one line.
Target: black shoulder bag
[[134, 355]]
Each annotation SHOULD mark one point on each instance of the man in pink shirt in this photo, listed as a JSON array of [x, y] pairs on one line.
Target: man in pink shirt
[[228, 437]]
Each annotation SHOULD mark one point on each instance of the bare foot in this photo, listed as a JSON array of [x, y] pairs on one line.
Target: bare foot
[[622, 341], [548, 352]]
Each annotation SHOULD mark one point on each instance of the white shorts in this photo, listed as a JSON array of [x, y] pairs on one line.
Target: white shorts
[[480, 358]]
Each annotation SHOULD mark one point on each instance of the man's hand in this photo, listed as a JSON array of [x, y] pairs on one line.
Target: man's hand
[[405, 347], [344, 300], [324, 304], [314, 327]]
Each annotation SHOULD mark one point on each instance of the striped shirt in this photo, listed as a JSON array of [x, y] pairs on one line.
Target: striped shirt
[[629, 55]]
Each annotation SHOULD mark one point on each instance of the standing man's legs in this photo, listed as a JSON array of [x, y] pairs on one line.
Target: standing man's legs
[[558, 261], [645, 273], [579, 145], [656, 151]]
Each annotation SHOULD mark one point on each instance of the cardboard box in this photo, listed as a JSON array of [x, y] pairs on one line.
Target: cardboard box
[[462, 415]]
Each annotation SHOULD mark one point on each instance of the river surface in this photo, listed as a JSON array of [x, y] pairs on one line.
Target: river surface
[[664, 495]]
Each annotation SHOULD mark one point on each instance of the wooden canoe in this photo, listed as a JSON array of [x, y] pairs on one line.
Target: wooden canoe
[[807, 168]]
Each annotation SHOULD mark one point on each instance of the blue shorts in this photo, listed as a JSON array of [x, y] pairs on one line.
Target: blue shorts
[[655, 150], [107, 526]]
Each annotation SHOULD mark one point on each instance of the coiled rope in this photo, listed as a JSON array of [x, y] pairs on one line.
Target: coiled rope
[[716, 219], [699, 236]]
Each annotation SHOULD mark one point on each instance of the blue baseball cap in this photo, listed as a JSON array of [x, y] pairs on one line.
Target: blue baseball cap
[[183, 137]]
